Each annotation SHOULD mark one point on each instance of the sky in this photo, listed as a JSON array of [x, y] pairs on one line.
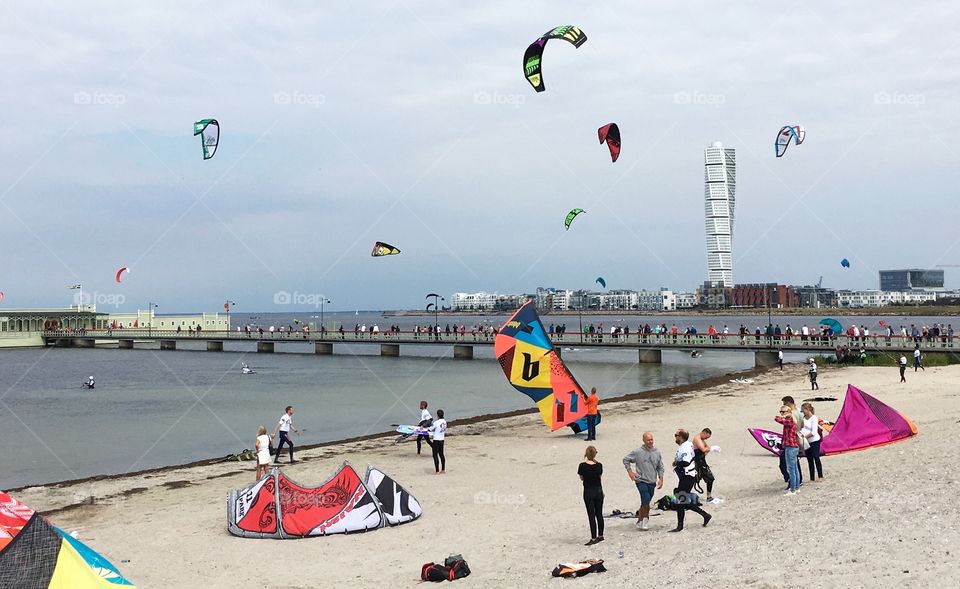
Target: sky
[[412, 123]]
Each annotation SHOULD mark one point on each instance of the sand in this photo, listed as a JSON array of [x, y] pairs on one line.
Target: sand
[[511, 504]]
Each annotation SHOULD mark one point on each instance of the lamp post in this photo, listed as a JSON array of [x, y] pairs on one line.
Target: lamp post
[[436, 308], [150, 308], [323, 299]]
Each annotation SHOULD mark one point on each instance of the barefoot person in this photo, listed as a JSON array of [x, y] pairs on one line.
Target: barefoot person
[[700, 451], [648, 476], [284, 425], [439, 431], [426, 420], [686, 468], [590, 472], [263, 452]]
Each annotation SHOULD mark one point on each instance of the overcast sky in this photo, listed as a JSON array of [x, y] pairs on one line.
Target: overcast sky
[[412, 123]]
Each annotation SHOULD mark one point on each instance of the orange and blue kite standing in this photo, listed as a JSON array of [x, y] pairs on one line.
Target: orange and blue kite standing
[[534, 368]]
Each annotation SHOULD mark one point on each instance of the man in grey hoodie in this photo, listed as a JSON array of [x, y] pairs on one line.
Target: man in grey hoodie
[[648, 476]]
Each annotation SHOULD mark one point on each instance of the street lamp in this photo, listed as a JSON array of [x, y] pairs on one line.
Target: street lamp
[[150, 308], [323, 299], [436, 308]]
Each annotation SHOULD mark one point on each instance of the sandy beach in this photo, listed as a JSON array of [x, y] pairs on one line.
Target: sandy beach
[[511, 503]]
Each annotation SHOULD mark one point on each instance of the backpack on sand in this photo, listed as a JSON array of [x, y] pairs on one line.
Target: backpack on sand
[[457, 566], [434, 572]]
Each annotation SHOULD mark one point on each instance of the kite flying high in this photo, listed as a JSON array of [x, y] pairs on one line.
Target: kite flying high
[[384, 249], [611, 134], [209, 132], [571, 216], [534, 53], [788, 133]]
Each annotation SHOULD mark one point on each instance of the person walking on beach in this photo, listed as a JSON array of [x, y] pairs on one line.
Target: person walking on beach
[[648, 476], [439, 431], [903, 368], [262, 446], [426, 420], [813, 376], [685, 467], [811, 431], [791, 447], [917, 357], [593, 401], [700, 451], [780, 359], [590, 472], [283, 427]]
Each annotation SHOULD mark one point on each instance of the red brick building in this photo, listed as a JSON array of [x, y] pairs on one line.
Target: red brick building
[[756, 295]]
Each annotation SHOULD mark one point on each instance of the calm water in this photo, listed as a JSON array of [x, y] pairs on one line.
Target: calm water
[[153, 408]]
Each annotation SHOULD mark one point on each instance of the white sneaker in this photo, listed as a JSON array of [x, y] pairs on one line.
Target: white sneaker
[[640, 524], [646, 524]]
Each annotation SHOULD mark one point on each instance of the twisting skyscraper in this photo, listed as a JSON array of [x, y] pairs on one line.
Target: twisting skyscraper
[[720, 191]]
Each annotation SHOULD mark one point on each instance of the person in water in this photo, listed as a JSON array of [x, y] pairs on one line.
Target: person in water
[[439, 431], [590, 472], [284, 425], [90, 383], [426, 420], [262, 446]]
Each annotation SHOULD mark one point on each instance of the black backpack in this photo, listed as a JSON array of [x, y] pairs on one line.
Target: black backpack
[[457, 566], [434, 572]]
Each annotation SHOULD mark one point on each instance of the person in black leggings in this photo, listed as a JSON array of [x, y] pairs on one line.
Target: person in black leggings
[[590, 472], [686, 468], [439, 431]]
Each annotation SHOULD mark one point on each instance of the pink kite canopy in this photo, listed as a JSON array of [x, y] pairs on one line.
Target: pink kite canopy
[[864, 422], [770, 441]]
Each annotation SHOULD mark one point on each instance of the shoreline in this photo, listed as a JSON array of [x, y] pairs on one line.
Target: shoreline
[[659, 393]]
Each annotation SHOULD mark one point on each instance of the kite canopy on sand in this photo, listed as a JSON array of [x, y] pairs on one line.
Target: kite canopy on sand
[[34, 553], [277, 507], [865, 422], [534, 53], [209, 131], [533, 367], [768, 440], [611, 134]]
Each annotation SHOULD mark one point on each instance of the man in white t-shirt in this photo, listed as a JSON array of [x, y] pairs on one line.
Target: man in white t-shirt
[[903, 368], [917, 357], [284, 425]]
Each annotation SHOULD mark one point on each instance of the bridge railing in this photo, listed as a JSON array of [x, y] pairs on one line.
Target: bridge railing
[[664, 340]]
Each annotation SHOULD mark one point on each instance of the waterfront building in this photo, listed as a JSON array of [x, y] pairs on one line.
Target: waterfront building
[[485, 301], [773, 295], [816, 297], [912, 279], [148, 320], [686, 300], [720, 179]]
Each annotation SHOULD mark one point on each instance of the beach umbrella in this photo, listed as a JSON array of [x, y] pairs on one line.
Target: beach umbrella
[[832, 324]]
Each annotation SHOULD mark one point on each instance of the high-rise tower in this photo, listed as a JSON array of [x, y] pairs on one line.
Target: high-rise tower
[[720, 176]]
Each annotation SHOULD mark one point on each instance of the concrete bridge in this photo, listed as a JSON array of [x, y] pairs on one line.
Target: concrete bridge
[[649, 347]]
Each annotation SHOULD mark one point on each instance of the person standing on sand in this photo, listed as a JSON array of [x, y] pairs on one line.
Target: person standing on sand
[[780, 359], [917, 357], [700, 451], [685, 467], [426, 420], [590, 472], [811, 431], [797, 418], [791, 447], [262, 446], [283, 427], [813, 376], [903, 368], [439, 431], [593, 401], [648, 476]]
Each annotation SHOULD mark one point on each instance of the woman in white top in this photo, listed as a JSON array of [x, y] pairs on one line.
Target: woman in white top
[[439, 431], [810, 429], [263, 452], [426, 420]]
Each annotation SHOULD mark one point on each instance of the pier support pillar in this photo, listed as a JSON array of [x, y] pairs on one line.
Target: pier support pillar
[[323, 349], [84, 342], [391, 350], [265, 347], [168, 344], [764, 359], [461, 352], [125, 344], [61, 343], [214, 346], [650, 356]]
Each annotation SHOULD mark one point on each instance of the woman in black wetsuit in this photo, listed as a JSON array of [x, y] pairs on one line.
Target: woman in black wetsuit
[[590, 472]]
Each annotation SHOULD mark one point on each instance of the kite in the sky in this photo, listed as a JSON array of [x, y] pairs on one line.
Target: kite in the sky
[[787, 134], [1, 296], [209, 132], [601, 281], [120, 273], [534, 53], [226, 306], [845, 263], [533, 367], [571, 216], [384, 249], [611, 134]]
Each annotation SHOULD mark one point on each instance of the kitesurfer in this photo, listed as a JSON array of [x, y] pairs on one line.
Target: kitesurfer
[[593, 401], [284, 425], [700, 451], [426, 420], [813, 376], [648, 476], [590, 472], [245, 369], [438, 429], [90, 383], [262, 446], [686, 468]]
